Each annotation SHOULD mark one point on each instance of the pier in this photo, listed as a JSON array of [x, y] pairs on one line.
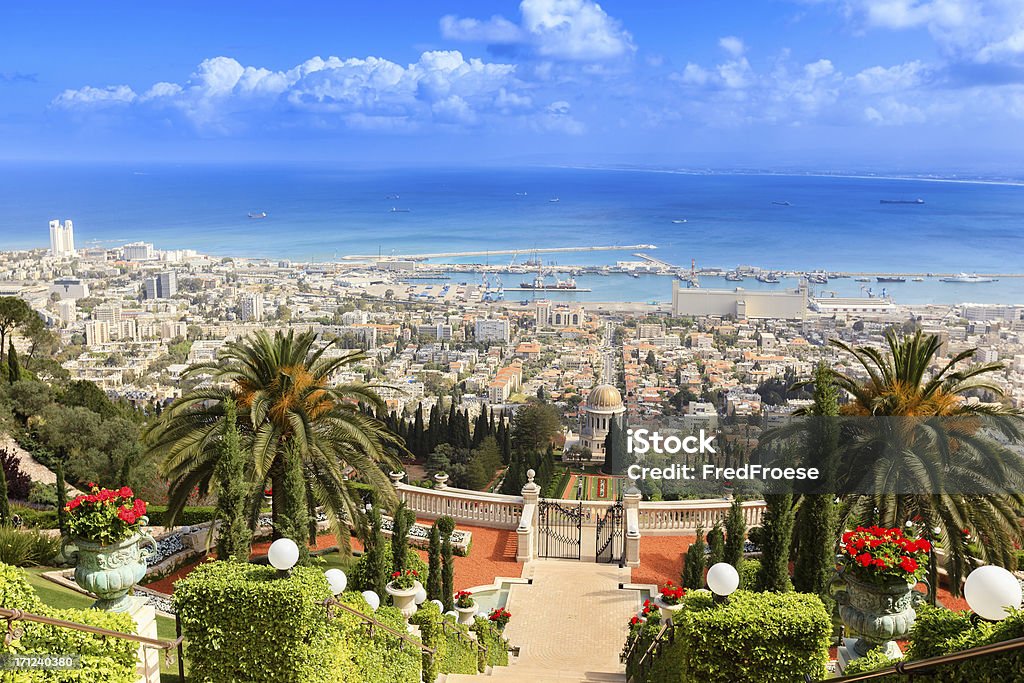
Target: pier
[[488, 252]]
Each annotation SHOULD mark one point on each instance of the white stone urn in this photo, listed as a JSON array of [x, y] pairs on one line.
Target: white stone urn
[[404, 600], [667, 610], [467, 615]]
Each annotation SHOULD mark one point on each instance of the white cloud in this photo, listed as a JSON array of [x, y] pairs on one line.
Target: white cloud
[[497, 30], [901, 77], [88, 96], [733, 45], [571, 30]]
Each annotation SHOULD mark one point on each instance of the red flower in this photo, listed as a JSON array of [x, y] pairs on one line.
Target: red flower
[[634, 621], [395, 575], [908, 564], [864, 559]]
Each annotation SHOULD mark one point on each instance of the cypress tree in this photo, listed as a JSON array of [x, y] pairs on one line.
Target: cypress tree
[[13, 367], [716, 542], [777, 532], [234, 494], [62, 496], [294, 520], [693, 564], [435, 585], [447, 525], [735, 534], [5, 503], [451, 424], [415, 439], [817, 521], [400, 526], [376, 575]]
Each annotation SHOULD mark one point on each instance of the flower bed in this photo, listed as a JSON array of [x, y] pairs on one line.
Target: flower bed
[[419, 537]]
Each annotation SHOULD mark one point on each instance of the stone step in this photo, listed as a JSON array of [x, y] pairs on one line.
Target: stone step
[[541, 675]]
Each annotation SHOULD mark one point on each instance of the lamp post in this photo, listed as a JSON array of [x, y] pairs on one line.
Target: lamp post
[[991, 592], [282, 555], [723, 580]]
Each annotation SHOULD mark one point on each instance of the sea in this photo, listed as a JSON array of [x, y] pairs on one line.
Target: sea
[[319, 213]]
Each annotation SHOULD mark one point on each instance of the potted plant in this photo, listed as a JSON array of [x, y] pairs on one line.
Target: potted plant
[[465, 605], [403, 589], [268, 494], [881, 566], [670, 600], [105, 527], [499, 616]]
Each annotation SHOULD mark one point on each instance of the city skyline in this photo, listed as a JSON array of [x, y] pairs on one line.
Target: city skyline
[[890, 84]]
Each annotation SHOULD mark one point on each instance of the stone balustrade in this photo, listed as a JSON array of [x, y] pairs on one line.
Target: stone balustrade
[[668, 518], [476, 508]]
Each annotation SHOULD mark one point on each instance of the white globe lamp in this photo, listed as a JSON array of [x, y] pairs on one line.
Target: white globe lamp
[[723, 579], [283, 555], [451, 613], [420, 597], [991, 592], [337, 580], [440, 605], [372, 599]]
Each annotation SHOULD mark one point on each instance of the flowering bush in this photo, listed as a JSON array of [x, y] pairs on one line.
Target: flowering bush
[[105, 516], [672, 594], [464, 599], [403, 581], [649, 612], [499, 616], [878, 555]]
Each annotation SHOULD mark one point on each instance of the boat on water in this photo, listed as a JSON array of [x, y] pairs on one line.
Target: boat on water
[[817, 278], [392, 196], [257, 214], [769, 278], [901, 201], [679, 220], [734, 276], [395, 209], [636, 275], [890, 278], [540, 283], [782, 204], [918, 279], [554, 200], [520, 194], [967, 279], [862, 279]]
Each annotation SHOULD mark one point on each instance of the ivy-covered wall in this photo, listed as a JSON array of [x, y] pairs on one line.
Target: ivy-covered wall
[[103, 660], [453, 654]]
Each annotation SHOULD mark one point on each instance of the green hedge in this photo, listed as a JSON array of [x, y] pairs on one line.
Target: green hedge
[[190, 516], [762, 637], [242, 623], [940, 632], [452, 653], [104, 660], [490, 637], [749, 574], [360, 581]]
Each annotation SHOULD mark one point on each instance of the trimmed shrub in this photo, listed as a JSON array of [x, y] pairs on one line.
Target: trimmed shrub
[[755, 637], [941, 632], [750, 575], [190, 516], [488, 635], [227, 607], [452, 653], [30, 517], [104, 660], [873, 660]]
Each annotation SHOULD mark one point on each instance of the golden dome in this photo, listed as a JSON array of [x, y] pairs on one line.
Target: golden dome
[[604, 396]]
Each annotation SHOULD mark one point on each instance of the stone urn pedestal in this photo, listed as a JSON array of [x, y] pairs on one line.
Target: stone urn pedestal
[[876, 614], [404, 599], [111, 571], [466, 614]]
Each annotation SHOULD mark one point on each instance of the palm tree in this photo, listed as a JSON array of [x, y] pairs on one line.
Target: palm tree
[[286, 407], [928, 454]]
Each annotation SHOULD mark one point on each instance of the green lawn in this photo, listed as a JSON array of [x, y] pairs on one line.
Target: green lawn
[[60, 597]]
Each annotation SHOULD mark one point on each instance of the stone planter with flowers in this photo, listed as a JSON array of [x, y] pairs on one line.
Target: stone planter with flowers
[[465, 605], [403, 589], [670, 600]]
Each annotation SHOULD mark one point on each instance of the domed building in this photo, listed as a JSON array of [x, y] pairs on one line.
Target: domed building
[[603, 405]]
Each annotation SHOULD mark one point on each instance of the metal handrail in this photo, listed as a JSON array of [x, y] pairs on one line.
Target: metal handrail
[[374, 623], [925, 666], [650, 650], [13, 615]]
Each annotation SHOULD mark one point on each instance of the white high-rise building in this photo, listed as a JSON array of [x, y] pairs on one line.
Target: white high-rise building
[[138, 251], [97, 332], [67, 310], [491, 330], [250, 307], [62, 238]]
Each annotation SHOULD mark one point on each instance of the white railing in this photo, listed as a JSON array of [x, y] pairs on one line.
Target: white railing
[[675, 516], [476, 508]]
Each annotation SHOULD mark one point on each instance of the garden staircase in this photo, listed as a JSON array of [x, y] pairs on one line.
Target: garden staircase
[[569, 625]]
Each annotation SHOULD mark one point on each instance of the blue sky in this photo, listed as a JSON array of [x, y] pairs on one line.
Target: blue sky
[[887, 84]]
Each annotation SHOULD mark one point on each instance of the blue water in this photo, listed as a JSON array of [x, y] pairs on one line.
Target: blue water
[[320, 213]]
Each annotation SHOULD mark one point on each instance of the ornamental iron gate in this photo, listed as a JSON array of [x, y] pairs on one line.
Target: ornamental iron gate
[[560, 530], [610, 543]]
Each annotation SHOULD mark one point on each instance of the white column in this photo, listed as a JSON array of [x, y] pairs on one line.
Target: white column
[[525, 533], [631, 506]]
